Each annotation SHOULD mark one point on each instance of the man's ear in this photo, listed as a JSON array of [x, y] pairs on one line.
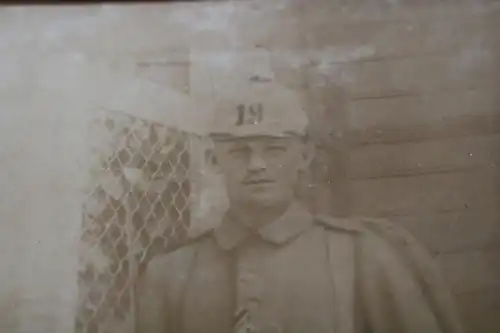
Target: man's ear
[[308, 153], [212, 159]]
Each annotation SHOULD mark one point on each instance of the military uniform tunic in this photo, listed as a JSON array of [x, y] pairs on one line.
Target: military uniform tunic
[[298, 274]]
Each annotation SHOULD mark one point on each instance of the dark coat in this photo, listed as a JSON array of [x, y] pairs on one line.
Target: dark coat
[[299, 274]]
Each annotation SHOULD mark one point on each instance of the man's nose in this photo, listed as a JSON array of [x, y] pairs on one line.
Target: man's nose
[[256, 162]]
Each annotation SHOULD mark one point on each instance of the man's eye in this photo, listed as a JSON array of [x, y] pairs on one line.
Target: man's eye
[[238, 151], [276, 148]]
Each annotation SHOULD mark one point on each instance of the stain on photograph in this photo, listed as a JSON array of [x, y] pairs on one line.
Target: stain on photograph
[[251, 167]]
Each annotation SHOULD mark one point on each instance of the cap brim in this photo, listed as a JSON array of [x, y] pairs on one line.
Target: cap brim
[[239, 136]]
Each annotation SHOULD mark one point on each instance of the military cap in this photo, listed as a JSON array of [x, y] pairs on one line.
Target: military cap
[[258, 109]]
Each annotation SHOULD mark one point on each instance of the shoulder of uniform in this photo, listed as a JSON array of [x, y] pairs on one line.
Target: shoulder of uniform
[[403, 244], [387, 230], [198, 238], [368, 226], [178, 256], [338, 223]]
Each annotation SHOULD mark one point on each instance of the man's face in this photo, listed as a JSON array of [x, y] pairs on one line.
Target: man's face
[[262, 170]]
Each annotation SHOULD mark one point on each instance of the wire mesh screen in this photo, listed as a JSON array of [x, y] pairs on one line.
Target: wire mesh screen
[[137, 208], [152, 187]]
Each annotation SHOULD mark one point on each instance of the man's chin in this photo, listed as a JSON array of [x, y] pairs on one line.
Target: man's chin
[[265, 199]]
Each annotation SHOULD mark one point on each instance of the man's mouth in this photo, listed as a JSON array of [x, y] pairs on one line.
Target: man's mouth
[[257, 181]]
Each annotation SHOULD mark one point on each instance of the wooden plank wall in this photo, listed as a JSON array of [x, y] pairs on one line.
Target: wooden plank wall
[[424, 119]]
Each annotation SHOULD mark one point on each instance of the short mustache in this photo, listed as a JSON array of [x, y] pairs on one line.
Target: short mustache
[[257, 181]]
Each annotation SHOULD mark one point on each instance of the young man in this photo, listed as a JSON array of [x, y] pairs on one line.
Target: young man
[[273, 267]]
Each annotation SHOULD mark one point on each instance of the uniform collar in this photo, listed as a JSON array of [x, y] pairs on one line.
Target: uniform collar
[[293, 222]]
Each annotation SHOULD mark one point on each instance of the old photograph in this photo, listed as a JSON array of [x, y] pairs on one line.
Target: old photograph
[[251, 167]]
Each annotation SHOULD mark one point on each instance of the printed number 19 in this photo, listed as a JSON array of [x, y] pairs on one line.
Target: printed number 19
[[251, 115]]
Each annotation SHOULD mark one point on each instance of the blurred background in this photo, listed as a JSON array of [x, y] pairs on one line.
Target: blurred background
[[105, 162]]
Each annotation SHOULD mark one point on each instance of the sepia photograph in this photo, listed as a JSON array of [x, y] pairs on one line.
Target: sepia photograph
[[250, 166]]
